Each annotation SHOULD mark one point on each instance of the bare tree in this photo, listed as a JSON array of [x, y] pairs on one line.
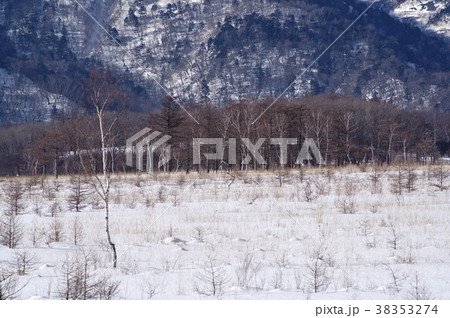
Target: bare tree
[[281, 174], [211, 277], [317, 279], [246, 269], [77, 281], [390, 130], [308, 193], [54, 209], [376, 180], [75, 277], [277, 279], [411, 178], [76, 231], [106, 288], [12, 196], [168, 121], [398, 279], [440, 174], [418, 290], [398, 180], [55, 231], [149, 288], [66, 289], [349, 127], [102, 95], [405, 256], [395, 237], [11, 229], [79, 192], [364, 227], [9, 284], [25, 262], [346, 204], [35, 235]]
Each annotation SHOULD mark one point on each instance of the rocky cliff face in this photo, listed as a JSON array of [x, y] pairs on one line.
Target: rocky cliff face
[[218, 50]]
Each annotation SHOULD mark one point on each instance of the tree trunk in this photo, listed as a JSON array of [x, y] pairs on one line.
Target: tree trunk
[[108, 236], [106, 187]]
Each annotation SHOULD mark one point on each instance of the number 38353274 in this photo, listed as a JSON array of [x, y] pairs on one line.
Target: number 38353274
[[406, 309]]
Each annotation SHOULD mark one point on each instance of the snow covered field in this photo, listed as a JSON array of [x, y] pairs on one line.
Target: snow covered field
[[311, 234]]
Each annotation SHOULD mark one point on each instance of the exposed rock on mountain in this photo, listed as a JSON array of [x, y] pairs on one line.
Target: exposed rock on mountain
[[211, 50]]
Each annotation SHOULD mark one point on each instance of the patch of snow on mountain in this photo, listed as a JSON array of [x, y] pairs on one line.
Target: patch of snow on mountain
[[430, 15]]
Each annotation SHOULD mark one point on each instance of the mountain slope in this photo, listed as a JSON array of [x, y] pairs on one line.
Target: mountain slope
[[213, 50]]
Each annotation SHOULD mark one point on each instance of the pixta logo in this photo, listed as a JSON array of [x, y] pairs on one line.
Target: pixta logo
[[309, 147], [150, 143]]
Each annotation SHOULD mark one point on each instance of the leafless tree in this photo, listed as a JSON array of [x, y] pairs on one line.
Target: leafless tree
[[55, 231], [398, 278], [102, 95], [349, 128], [12, 196], [405, 256], [73, 279], [35, 235], [398, 180], [281, 174], [440, 174], [277, 279], [346, 204], [418, 290], [106, 288], [247, 269], [308, 193], [78, 282], [298, 278], [411, 178], [162, 194], [149, 288], [37, 206], [211, 277], [319, 121], [364, 227], [76, 231], [54, 209], [9, 284], [199, 233], [282, 259], [11, 229], [394, 240], [317, 276], [390, 130], [224, 125], [376, 180], [79, 193], [25, 262]]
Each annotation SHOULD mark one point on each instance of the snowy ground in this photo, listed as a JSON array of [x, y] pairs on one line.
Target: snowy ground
[[256, 237]]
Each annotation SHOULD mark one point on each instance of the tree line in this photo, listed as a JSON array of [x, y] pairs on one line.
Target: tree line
[[347, 131]]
